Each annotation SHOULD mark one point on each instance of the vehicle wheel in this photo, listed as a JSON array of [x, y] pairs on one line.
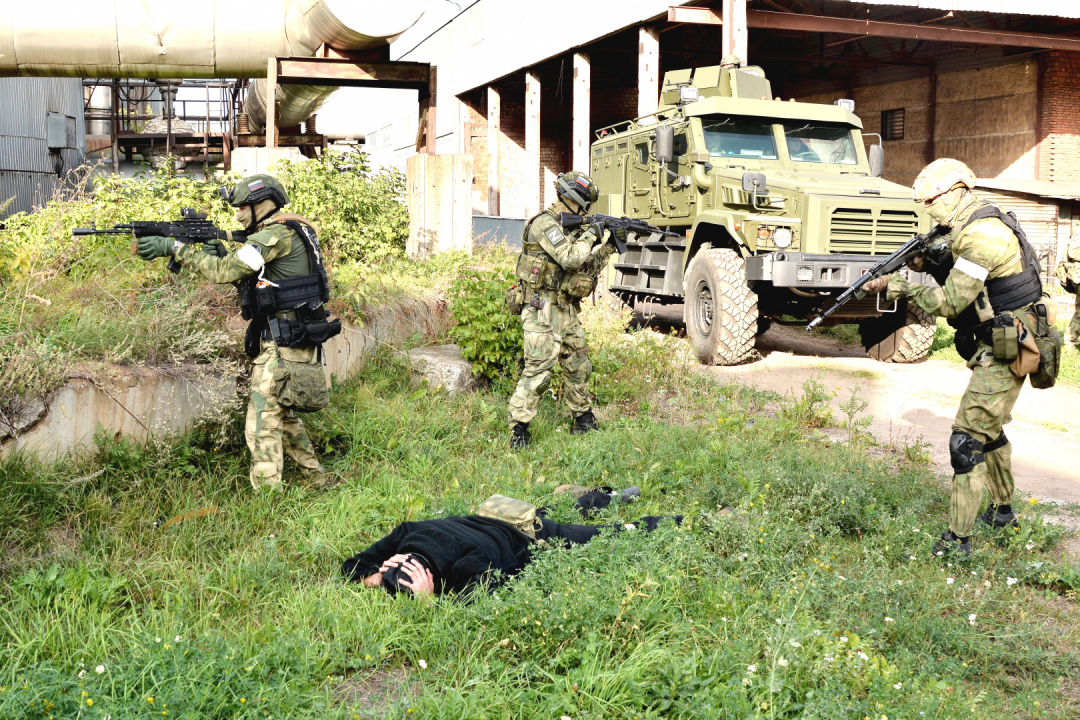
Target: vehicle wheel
[[720, 310], [886, 340]]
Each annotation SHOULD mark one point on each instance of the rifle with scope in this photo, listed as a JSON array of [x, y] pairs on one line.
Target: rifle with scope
[[570, 220], [920, 244], [192, 227]]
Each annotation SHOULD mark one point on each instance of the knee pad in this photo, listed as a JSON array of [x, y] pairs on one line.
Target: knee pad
[[965, 452]]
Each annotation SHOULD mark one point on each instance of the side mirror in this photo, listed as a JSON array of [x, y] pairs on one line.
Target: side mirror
[[665, 143], [754, 183], [876, 157]]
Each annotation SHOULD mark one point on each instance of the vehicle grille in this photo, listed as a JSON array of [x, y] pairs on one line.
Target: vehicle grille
[[870, 231]]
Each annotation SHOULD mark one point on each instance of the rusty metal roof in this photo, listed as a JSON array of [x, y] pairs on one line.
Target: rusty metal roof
[[1056, 8]]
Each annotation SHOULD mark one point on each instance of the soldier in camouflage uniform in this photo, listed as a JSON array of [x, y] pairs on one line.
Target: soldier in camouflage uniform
[[1068, 272], [276, 252], [984, 252], [557, 268]]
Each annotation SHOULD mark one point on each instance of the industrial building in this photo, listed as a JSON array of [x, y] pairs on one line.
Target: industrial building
[[523, 88], [42, 138]]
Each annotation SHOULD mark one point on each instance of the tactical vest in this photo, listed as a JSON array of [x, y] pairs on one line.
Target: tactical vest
[[538, 272], [1005, 293], [290, 311]]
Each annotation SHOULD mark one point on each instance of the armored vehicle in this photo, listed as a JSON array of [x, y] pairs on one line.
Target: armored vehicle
[[779, 206]]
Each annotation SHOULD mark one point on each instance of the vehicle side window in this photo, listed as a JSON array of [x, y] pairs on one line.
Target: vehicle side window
[[642, 152]]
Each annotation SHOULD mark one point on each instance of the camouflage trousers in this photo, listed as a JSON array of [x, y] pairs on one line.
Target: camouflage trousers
[[270, 428], [984, 409], [1073, 333], [552, 335]]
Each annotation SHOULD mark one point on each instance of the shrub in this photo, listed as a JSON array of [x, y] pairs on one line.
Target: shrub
[[489, 336], [360, 215]]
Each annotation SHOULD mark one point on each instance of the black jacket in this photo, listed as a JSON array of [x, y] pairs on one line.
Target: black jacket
[[459, 550]]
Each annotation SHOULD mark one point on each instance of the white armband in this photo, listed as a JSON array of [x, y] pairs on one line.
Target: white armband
[[251, 256], [971, 269]]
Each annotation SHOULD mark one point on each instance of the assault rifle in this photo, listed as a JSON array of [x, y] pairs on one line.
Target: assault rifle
[[192, 227], [570, 220], [920, 244]]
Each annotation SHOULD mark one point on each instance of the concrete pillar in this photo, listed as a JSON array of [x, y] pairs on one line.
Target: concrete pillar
[[733, 31], [532, 143], [494, 139], [582, 131], [648, 70]]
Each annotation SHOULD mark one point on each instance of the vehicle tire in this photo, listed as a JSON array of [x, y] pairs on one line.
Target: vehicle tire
[[886, 340], [721, 312]]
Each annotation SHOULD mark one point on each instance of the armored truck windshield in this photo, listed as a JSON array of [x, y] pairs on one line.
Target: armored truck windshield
[[735, 137], [818, 142]]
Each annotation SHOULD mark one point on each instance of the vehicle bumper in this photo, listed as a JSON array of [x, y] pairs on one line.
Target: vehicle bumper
[[804, 271]]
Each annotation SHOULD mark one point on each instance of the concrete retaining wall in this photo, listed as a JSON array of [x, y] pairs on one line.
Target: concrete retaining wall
[[142, 402]]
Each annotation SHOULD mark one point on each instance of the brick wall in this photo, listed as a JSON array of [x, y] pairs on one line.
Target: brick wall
[[1059, 152], [984, 117]]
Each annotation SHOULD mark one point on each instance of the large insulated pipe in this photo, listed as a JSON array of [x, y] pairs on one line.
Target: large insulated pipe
[[194, 38]]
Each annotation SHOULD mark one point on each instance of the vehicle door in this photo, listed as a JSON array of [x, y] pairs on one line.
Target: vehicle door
[[641, 188], [676, 190]]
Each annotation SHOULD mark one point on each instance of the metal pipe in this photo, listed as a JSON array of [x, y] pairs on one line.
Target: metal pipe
[[165, 39]]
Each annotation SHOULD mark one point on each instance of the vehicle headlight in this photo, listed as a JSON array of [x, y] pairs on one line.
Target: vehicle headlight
[[782, 237]]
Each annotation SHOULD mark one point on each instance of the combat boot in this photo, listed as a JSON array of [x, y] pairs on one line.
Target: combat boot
[[583, 423], [999, 517], [521, 437], [950, 544]]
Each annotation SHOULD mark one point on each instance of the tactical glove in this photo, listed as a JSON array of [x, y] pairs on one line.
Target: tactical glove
[[154, 246], [620, 233], [215, 247]]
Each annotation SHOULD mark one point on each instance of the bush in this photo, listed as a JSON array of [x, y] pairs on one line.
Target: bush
[[489, 336], [360, 215]]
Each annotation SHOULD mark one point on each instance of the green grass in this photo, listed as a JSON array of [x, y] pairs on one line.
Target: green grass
[[241, 613]]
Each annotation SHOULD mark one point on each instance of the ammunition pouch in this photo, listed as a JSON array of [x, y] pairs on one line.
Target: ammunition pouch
[[517, 513], [538, 273], [1048, 340], [514, 298], [579, 285], [291, 333], [1002, 335]]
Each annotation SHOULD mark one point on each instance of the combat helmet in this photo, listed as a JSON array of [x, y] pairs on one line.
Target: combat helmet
[[253, 190], [731, 61], [941, 176], [577, 187]]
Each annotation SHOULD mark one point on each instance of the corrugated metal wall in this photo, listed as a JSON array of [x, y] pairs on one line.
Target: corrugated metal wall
[[29, 171]]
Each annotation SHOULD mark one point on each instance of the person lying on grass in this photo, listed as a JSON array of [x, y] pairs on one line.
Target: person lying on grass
[[455, 554]]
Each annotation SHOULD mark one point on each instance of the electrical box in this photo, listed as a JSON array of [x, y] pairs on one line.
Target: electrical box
[[56, 131]]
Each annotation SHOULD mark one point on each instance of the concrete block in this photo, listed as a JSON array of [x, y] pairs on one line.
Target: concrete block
[[256, 160], [442, 366]]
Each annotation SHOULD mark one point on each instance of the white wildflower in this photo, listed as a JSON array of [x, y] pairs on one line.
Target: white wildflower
[[986, 583], [863, 656], [950, 581], [81, 673], [422, 664], [751, 668], [99, 669], [1010, 581], [1030, 546], [898, 686], [971, 619], [782, 662], [843, 638], [912, 557], [889, 619]]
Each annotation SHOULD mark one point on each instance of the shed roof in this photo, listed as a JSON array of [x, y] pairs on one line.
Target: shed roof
[[1042, 188], [1057, 8]]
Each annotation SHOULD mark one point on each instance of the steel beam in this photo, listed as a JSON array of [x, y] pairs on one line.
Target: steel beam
[[350, 73], [873, 28]]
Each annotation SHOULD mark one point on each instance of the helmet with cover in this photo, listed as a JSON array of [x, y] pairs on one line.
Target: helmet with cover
[[731, 61], [578, 188], [253, 190], [941, 186]]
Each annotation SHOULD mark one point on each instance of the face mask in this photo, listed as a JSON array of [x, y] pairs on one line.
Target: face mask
[[943, 208], [243, 215]]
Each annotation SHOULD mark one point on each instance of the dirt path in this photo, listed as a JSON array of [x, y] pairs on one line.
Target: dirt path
[[909, 402]]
